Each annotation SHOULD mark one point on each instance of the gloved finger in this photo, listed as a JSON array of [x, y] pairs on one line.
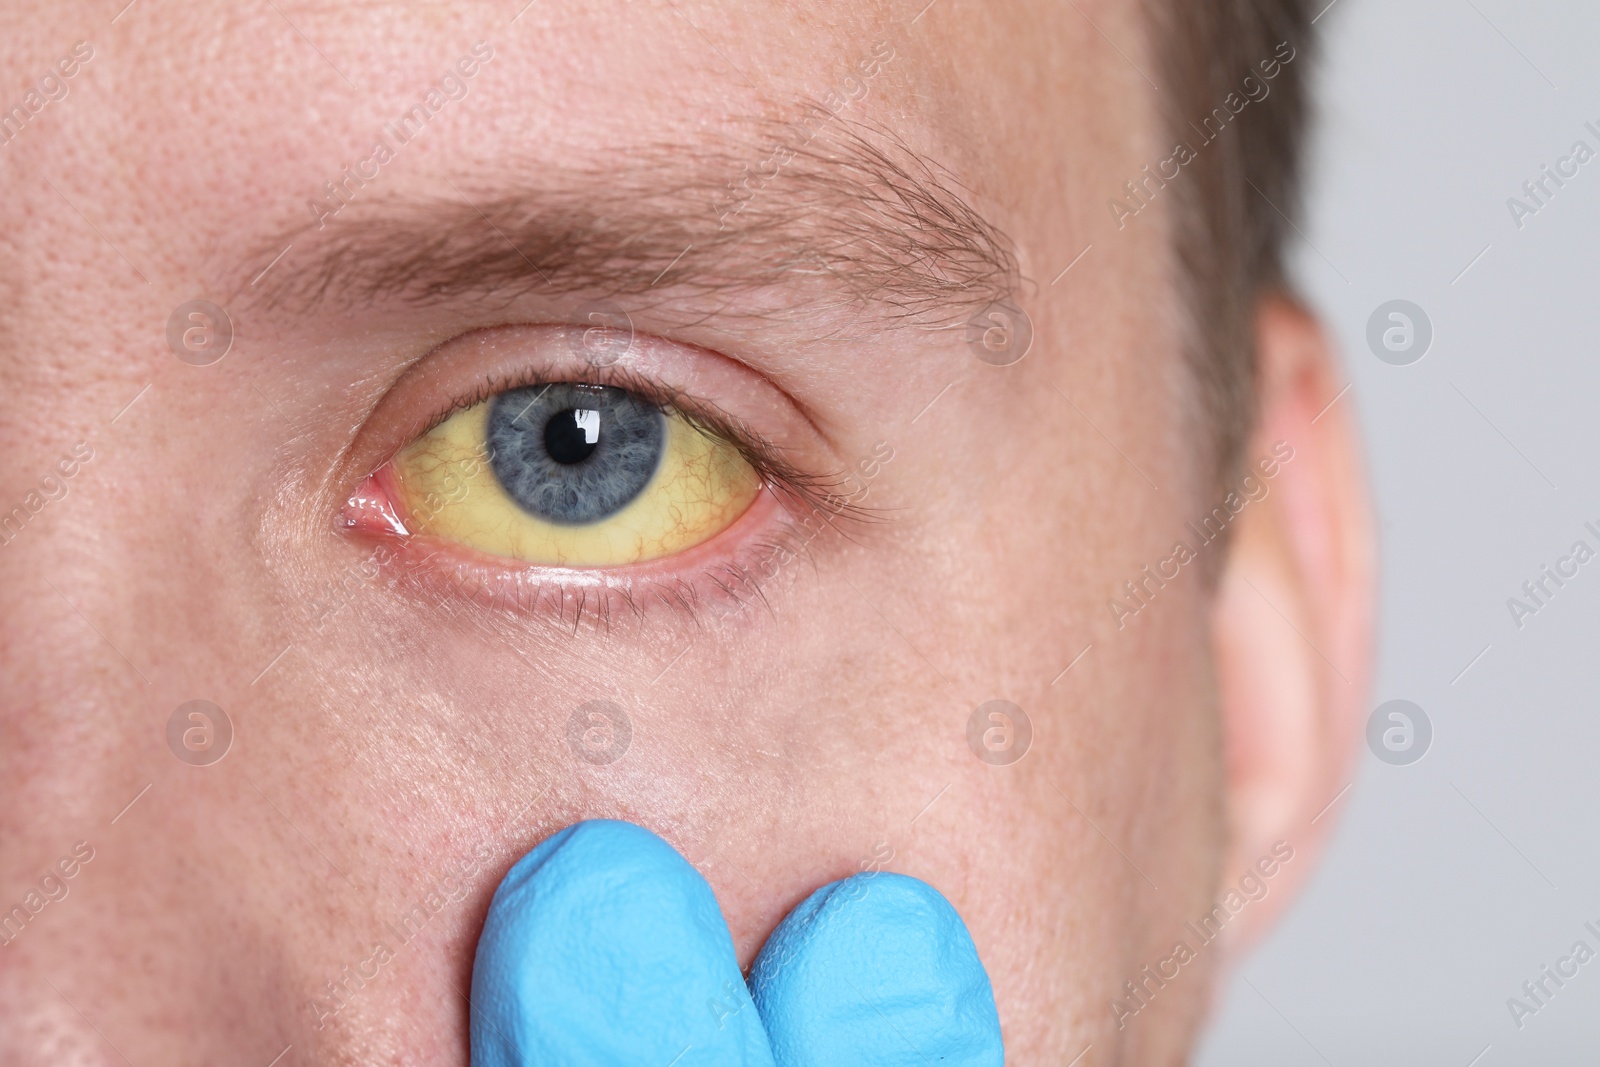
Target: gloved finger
[[604, 947], [877, 969]]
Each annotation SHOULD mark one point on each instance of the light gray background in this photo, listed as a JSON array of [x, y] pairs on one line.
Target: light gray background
[[1450, 882]]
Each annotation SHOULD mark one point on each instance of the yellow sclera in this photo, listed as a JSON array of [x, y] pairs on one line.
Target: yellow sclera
[[448, 490]]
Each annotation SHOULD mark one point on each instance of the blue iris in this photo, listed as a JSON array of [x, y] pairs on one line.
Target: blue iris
[[574, 454]]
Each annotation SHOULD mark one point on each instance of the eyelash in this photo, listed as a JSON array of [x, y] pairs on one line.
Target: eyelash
[[798, 492]]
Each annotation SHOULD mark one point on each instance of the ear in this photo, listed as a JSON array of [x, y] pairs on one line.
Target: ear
[[1292, 623]]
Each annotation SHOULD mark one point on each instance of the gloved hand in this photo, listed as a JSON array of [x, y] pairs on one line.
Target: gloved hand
[[605, 948]]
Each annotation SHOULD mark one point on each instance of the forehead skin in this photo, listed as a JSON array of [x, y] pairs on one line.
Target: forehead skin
[[777, 751]]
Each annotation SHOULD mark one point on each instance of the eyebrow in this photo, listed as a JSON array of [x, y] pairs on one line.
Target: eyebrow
[[844, 213]]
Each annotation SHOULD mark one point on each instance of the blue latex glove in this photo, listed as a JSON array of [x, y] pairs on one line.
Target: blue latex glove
[[876, 970], [605, 948]]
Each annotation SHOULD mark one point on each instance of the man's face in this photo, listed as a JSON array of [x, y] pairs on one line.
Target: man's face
[[788, 699]]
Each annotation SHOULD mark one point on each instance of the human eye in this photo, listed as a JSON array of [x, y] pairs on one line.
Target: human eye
[[567, 473], [527, 470]]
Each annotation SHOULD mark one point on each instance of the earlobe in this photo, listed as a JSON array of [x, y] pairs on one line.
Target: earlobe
[[1292, 622]]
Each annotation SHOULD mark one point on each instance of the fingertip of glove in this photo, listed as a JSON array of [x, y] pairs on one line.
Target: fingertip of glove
[[880, 969], [604, 945]]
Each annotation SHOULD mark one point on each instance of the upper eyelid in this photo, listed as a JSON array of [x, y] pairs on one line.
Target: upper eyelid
[[809, 490]]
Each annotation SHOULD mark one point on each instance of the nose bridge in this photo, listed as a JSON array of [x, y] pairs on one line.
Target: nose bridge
[[76, 679], [115, 606]]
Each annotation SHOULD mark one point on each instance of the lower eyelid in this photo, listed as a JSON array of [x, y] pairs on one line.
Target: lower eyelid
[[720, 577]]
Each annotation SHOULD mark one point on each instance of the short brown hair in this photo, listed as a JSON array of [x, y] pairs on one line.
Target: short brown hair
[[1231, 205]]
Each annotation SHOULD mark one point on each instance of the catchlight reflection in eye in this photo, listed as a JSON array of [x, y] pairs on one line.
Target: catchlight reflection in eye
[[571, 475]]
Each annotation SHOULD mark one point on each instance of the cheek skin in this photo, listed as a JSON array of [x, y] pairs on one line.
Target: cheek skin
[[1125, 753]]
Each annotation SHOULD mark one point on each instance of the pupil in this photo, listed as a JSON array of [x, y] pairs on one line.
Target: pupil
[[571, 436]]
